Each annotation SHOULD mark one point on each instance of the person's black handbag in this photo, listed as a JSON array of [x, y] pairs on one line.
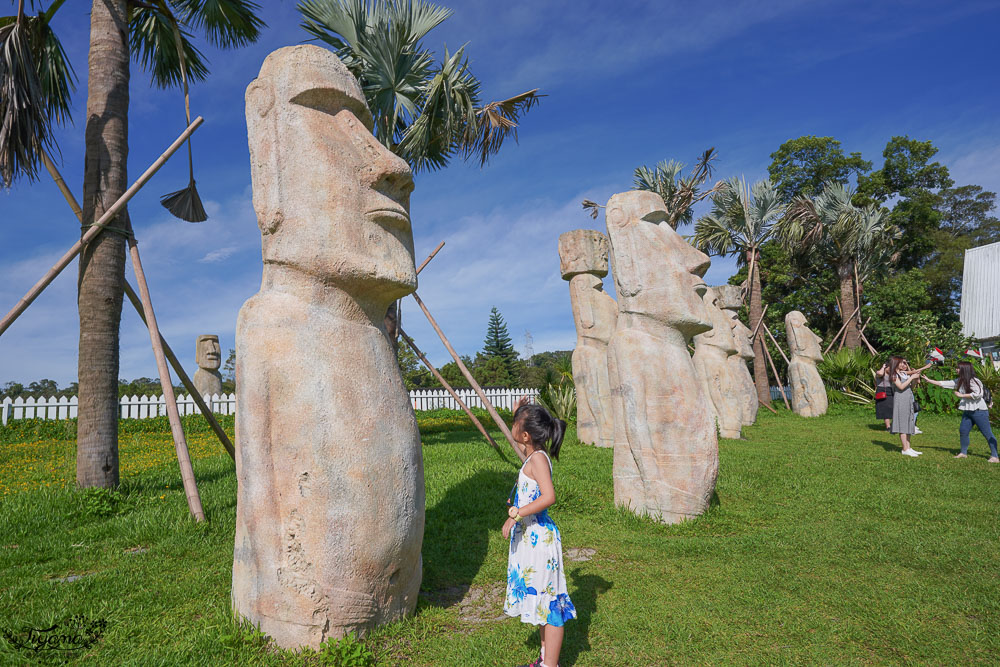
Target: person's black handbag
[[916, 406]]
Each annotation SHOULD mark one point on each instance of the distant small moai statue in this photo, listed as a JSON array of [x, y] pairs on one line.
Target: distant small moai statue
[[666, 456], [583, 261], [207, 379], [330, 499], [712, 351], [730, 300], [808, 391]]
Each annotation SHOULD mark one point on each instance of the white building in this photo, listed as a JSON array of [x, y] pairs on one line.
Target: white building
[[980, 310]]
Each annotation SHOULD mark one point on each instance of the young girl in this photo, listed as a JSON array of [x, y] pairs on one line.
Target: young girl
[[969, 390], [536, 585]]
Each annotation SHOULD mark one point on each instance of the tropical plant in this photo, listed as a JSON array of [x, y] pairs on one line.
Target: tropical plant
[[743, 219], [855, 241], [36, 80], [426, 111], [560, 400], [680, 193], [851, 372]]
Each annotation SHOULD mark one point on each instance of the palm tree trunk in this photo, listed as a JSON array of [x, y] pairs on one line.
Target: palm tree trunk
[[102, 263], [759, 369], [845, 272]]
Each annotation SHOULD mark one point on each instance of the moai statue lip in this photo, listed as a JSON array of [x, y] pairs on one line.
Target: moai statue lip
[[209, 354], [639, 218], [338, 170]]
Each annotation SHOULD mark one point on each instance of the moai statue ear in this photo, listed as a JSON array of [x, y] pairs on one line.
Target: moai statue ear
[[622, 251], [262, 128]]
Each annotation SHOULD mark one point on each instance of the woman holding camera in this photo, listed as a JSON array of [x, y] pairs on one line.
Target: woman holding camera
[[970, 391], [904, 416]]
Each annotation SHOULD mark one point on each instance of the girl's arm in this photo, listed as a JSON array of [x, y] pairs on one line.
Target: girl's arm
[[946, 384], [910, 380], [923, 368], [539, 469]]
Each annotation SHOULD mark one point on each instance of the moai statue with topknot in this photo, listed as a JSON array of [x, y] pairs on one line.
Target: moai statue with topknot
[[666, 454], [730, 300], [583, 261], [330, 502], [712, 351], [207, 379], [808, 391]]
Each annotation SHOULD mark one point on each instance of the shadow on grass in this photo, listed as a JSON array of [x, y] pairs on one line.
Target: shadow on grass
[[584, 591], [878, 427], [888, 446]]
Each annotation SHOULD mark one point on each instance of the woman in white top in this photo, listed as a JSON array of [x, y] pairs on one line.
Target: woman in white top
[[969, 389]]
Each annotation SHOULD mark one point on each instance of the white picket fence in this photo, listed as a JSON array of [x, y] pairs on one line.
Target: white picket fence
[[142, 407]]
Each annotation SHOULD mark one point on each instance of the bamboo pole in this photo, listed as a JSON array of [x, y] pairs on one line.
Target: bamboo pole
[[180, 443], [95, 229], [137, 304], [865, 325], [843, 327], [867, 343], [468, 376], [781, 388], [448, 388], [430, 257], [775, 341], [753, 334]]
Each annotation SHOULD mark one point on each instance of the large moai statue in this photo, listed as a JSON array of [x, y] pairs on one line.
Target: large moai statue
[[330, 504], [730, 299], [666, 454], [583, 261], [712, 351], [808, 391], [207, 379]]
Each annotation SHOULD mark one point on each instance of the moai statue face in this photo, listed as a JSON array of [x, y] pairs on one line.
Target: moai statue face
[[331, 201], [209, 354], [657, 272], [801, 340], [583, 251], [730, 299], [721, 335]]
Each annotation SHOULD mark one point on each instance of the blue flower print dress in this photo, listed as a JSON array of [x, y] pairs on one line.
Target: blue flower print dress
[[536, 585]]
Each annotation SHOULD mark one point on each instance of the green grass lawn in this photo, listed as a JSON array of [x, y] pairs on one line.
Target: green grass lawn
[[826, 546]]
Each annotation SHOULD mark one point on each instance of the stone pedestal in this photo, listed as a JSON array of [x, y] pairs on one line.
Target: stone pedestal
[[330, 503], [583, 260], [730, 300], [808, 392], [207, 378], [666, 454], [712, 351]]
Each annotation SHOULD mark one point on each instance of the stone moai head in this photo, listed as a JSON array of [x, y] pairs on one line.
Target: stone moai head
[[721, 334], [331, 201], [730, 296], [731, 300], [208, 354], [657, 273], [801, 340], [583, 251]]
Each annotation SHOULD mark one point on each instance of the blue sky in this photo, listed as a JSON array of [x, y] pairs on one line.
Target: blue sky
[[628, 83]]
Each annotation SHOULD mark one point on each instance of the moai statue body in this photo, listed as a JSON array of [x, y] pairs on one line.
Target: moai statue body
[[583, 261], [330, 503], [808, 391], [712, 351], [730, 300], [207, 379], [666, 454]]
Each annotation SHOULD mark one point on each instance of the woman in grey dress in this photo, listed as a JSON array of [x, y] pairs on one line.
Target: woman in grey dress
[[904, 418]]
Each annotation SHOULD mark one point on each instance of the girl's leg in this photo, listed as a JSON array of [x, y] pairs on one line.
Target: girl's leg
[[982, 419], [888, 424], [964, 429], [541, 634], [553, 645], [905, 439]]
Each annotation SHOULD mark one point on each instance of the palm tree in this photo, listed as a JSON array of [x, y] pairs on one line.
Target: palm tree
[[679, 193], [425, 111], [742, 220], [150, 30], [829, 228]]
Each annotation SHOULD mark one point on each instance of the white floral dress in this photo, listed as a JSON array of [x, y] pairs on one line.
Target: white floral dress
[[536, 585]]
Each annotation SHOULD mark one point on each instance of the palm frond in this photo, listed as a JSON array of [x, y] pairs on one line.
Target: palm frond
[[152, 43], [495, 122], [592, 207], [24, 124], [228, 24]]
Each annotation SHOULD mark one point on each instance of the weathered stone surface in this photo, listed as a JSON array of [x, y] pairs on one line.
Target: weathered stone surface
[[583, 258], [207, 378], [666, 454], [808, 391], [730, 300], [712, 351], [330, 505]]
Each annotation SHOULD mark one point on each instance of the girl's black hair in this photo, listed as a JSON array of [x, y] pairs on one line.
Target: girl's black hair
[[894, 364], [542, 427], [966, 374]]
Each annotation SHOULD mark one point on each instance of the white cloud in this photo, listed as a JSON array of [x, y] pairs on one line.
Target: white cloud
[[219, 255]]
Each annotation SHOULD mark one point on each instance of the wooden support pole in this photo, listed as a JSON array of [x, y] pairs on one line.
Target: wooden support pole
[[774, 340], [95, 229], [867, 343], [448, 388], [180, 443], [777, 377], [753, 334], [767, 404], [137, 304], [430, 257], [468, 376], [865, 325], [842, 329]]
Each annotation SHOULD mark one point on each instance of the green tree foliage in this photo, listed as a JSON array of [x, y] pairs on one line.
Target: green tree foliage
[[498, 362], [801, 166]]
